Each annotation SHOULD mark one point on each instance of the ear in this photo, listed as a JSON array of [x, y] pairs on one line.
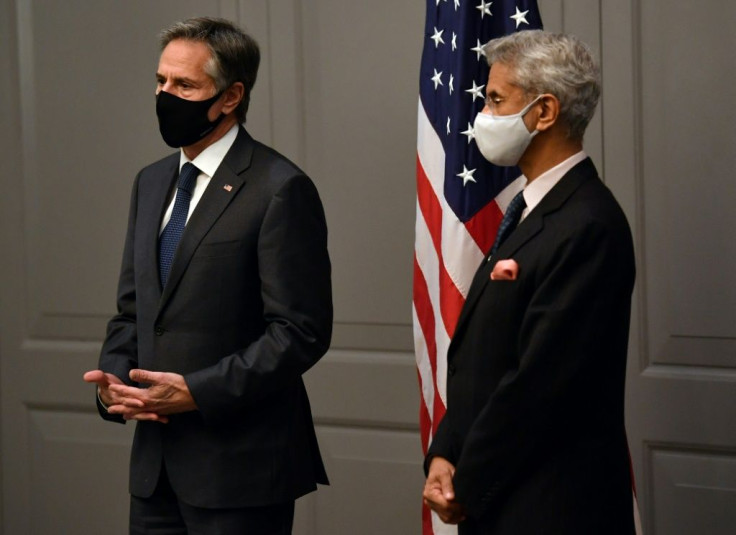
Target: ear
[[549, 111], [233, 95]]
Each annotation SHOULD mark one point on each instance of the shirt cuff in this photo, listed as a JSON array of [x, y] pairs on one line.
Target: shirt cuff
[[99, 399]]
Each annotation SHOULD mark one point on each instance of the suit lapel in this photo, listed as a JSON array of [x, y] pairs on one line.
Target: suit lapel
[[527, 229], [222, 188]]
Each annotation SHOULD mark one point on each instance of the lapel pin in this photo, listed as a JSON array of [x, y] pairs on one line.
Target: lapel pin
[[227, 187]]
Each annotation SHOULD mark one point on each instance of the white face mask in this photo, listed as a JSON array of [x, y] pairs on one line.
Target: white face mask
[[502, 139]]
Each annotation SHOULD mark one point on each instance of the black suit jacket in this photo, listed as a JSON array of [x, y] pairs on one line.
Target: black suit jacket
[[536, 367], [247, 309]]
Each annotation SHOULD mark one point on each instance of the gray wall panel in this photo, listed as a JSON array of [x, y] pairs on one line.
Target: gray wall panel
[[687, 151], [694, 491]]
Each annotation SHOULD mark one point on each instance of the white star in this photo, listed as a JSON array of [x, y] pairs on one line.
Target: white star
[[454, 41], [448, 126], [478, 49], [438, 2], [457, 4], [470, 132], [452, 84], [484, 8], [437, 37], [476, 91], [467, 175], [520, 17], [437, 79]]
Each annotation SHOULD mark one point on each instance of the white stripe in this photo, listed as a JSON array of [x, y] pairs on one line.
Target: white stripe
[[440, 528]]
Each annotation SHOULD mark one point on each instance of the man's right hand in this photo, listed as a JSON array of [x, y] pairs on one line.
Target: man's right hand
[[103, 381], [439, 493]]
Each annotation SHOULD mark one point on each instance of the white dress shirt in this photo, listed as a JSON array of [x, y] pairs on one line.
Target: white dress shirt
[[535, 191], [207, 162]]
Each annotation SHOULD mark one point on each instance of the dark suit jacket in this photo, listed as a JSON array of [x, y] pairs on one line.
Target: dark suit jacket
[[536, 366], [247, 309]]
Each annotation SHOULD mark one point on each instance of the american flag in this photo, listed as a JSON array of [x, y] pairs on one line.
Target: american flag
[[460, 196]]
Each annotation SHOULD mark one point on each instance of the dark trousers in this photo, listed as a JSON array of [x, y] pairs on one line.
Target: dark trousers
[[164, 514]]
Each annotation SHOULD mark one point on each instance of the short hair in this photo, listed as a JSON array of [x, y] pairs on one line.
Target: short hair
[[235, 55], [559, 64]]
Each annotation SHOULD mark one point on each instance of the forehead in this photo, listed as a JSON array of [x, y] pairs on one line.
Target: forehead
[[501, 80], [184, 58]]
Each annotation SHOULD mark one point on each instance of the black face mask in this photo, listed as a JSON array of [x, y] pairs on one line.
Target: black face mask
[[184, 122]]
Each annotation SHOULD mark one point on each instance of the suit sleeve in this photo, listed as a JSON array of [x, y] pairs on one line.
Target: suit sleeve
[[294, 269], [119, 352], [571, 345]]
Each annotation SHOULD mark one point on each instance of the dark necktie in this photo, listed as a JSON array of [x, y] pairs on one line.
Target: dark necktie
[[173, 230], [509, 221]]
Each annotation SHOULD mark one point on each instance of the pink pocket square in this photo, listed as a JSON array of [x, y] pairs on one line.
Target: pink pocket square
[[505, 270]]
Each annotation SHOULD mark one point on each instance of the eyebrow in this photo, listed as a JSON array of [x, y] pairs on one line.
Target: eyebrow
[[177, 79]]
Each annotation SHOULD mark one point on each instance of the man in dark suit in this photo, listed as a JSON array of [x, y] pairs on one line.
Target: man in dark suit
[[533, 440], [224, 301]]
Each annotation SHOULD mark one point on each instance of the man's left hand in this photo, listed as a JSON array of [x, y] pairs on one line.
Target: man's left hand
[[168, 394]]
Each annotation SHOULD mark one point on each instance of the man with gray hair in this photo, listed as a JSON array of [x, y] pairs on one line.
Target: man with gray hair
[[533, 440], [224, 301]]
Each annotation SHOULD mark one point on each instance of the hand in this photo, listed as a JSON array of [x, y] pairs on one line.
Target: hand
[[439, 494], [103, 381], [168, 394]]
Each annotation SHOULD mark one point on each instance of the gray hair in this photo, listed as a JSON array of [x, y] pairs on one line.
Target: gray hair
[[559, 64], [235, 55]]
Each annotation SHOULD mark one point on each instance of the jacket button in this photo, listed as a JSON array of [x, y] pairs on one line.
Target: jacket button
[[158, 330], [451, 370]]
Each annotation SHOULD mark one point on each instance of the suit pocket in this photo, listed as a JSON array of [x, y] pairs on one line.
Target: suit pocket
[[219, 249]]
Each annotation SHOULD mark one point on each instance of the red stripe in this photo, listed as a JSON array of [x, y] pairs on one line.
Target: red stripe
[[484, 225], [426, 520], [451, 300]]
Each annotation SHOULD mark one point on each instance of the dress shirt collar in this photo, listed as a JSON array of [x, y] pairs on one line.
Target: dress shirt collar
[[535, 190], [210, 158]]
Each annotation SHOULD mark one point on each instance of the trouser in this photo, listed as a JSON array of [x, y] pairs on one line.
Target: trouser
[[164, 514]]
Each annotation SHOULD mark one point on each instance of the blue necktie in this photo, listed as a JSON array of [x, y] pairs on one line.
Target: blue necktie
[[509, 221], [169, 239]]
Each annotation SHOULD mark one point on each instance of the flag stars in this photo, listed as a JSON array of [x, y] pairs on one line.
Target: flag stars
[[454, 41], [437, 79], [437, 37], [478, 49], [457, 4], [470, 132], [476, 91], [467, 175], [484, 8], [520, 17], [448, 126], [452, 84]]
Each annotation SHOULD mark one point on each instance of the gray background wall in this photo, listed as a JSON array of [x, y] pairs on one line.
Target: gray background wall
[[337, 92]]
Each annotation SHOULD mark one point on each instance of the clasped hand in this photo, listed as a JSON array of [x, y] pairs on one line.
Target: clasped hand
[[167, 394], [439, 494]]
